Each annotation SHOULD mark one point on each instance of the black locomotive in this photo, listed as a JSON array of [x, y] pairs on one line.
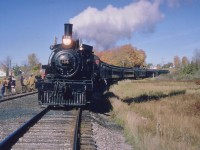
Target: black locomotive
[[74, 73]]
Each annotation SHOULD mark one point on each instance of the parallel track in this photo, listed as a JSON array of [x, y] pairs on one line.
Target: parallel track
[[50, 129], [11, 97]]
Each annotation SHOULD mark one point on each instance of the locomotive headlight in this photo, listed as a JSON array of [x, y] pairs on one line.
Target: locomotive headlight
[[67, 40], [81, 48]]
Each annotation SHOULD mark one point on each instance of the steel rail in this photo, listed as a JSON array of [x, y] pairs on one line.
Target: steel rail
[[10, 140], [76, 130], [16, 96]]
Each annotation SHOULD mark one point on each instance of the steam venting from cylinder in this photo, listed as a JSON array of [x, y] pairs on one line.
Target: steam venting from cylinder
[[68, 29]]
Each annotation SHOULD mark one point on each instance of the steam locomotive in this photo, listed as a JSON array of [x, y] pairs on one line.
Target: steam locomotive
[[74, 73]]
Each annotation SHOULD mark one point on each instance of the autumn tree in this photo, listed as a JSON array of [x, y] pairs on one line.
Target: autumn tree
[[177, 62], [185, 61], [186, 69], [33, 62], [25, 69], [196, 58], [6, 65], [126, 56]]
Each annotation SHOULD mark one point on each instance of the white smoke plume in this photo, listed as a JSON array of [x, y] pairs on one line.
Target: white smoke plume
[[106, 27]]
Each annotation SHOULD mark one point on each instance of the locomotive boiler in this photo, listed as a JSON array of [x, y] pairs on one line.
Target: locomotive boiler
[[74, 74]]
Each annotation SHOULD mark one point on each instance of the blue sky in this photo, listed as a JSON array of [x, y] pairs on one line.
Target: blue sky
[[162, 28]]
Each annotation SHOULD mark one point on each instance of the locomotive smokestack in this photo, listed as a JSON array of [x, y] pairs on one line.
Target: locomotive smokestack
[[68, 29]]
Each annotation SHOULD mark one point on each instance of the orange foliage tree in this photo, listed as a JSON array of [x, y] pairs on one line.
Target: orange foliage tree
[[126, 55], [185, 61], [177, 62]]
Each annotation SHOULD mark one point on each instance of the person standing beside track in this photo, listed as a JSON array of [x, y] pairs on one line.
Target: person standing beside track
[[3, 87], [9, 85], [6, 86], [31, 82], [25, 83], [22, 83], [13, 85]]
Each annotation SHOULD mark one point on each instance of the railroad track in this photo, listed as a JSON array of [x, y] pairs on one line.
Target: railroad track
[[86, 134], [11, 97], [53, 128]]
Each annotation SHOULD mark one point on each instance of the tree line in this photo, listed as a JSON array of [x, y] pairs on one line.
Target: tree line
[[31, 66], [129, 56], [188, 69], [124, 56]]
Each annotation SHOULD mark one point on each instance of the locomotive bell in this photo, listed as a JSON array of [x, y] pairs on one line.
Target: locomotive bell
[[68, 29]]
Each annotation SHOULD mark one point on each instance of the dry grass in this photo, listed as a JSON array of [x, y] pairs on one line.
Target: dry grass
[[158, 115]]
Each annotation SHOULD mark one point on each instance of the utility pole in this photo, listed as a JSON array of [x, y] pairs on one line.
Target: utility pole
[[10, 68], [7, 70], [7, 67]]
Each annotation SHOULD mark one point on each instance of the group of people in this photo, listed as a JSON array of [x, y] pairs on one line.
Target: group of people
[[8, 85], [27, 84]]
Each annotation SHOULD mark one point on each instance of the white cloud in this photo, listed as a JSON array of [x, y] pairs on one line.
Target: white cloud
[[105, 27]]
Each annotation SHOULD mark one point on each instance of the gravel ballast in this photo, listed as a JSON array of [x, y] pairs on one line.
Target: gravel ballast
[[107, 134], [14, 113]]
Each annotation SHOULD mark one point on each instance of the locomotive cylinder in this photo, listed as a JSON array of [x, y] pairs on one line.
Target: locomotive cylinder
[[68, 29]]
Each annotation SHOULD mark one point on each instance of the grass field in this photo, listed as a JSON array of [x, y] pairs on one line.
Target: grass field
[[158, 115]]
